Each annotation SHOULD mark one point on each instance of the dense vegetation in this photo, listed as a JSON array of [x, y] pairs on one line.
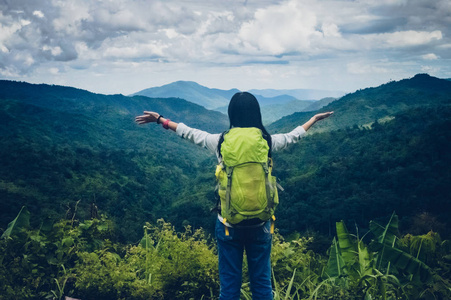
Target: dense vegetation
[[83, 260], [357, 174], [77, 157], [61, 145]]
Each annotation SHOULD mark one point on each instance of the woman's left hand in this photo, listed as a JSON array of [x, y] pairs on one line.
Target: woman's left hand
[[148, 117]]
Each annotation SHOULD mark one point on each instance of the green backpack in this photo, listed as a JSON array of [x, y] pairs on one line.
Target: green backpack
[[247, 190]]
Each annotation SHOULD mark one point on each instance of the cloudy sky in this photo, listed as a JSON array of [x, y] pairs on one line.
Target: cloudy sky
[[123, 46]]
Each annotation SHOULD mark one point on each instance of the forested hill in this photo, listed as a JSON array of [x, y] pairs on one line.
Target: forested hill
[[60, 146], [75, 101], [385, 149], [69, 115], [368, 105], [357, 174]]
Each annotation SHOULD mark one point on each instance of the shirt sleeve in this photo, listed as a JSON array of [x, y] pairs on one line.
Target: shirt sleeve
[[281, 141], [199, 137]]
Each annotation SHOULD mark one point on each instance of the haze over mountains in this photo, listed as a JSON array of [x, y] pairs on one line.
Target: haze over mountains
[[59, 145], [274, 103], [216, 98], [190, 91]]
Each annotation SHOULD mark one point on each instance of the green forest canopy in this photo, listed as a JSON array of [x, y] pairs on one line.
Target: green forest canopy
[[385, 149]]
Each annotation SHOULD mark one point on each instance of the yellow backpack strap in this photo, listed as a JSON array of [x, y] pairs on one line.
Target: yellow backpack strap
[[273, 219], [225, 226], [268, 186], [229, 171]]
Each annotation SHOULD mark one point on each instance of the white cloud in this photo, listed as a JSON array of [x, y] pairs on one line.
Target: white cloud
[[8, 30], [54, 71], [429, 56], [24, 58], [38, 14], [55, 51], [365, 68], [395, 40], [330, 30], [218, 22], [430, 69], [410, 38], [171, 33], [385, 2], [285, 28], [70, 17], [272, 38], [135, 51]]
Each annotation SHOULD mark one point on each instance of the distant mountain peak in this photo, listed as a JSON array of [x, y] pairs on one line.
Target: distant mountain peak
[[425, 81], [192, 92], [184, 83], [422, 76]]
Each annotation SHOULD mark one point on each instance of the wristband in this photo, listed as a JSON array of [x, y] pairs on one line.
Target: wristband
[[166, 124], [158, 120]]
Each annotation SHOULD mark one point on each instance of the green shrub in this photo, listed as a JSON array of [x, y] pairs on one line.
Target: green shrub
[[166, 265], [78, 259]]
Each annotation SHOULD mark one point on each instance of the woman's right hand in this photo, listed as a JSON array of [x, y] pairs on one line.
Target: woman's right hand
[[315, 119], [148, 117], [322, 115]]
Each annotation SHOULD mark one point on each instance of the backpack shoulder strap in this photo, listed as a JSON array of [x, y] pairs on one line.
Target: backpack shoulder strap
[[221, 140]]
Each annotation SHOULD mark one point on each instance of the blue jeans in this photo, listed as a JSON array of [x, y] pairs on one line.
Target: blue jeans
[[257, 244]]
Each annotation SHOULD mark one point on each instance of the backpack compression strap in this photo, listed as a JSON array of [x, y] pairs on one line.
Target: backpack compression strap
[[268, 186], [229, 171], [268, 194]]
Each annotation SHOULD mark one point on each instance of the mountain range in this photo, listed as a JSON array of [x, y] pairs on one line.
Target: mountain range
[[368, 105], [216, 98], [190, 91], [60, 144], [274, 103], [300, 94]]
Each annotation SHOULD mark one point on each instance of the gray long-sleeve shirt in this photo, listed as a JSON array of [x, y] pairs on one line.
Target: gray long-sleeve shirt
[[210, 141]]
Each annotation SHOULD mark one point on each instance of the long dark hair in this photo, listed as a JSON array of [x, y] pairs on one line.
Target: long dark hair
[[244, 111]]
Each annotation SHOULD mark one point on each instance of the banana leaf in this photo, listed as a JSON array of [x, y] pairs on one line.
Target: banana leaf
[[405, 262], [146, 242], [358, 260], [366, 261], [348, 246], [348, 249], [21, 221], [386, 235], [335, 262]]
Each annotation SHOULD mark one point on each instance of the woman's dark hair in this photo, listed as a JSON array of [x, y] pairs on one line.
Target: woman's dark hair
[[244, 111]]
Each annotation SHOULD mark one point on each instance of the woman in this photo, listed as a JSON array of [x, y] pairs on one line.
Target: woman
[[252, 236]]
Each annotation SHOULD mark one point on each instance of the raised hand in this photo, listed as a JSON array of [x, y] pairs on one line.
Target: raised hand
[[148, 117], [323, 115]]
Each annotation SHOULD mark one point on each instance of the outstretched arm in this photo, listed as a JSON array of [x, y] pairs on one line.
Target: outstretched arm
[[196, 136], [151, 117], [315, 119], [282, 140]]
